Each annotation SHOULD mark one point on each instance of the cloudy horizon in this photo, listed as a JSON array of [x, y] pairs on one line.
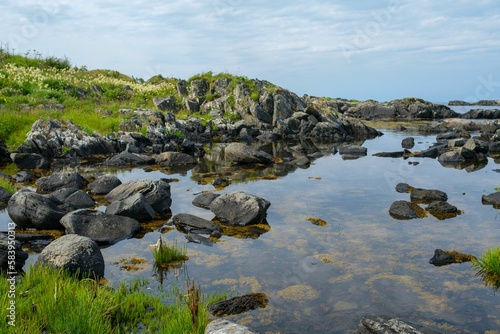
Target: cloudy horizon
[[380, 50]]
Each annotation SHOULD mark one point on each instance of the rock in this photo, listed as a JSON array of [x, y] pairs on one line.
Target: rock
[[23, 176], [427, 195], [444, 257], [190, 223], [204, 200], [385, 325], [11, 244], [4, 154], [136, 206], [29, 161], [77, 254], [75, 198], [32, 210], [244, 154], [403, 188], [451, 157], [239, 305], [494, 148], [157, 193], [468, 154], [352, 150], [51, 137], [56, 181], [458, 142], [408, 143], [432, 152], [172, 159], [239, 208], [399, 154], [492, 199], [221, 326], [126, 158], [477, 145], [100, 227], [103, 184], [5, 196], [198, 239], [441, 207], [166, 103], [481, 114], [403, 210]]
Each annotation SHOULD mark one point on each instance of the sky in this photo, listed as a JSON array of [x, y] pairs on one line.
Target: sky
[[365, 49]]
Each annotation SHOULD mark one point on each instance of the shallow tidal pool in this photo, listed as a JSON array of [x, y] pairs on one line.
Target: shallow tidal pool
[[324, 279]]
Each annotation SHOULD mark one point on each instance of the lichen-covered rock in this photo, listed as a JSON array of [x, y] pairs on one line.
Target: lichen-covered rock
[[221, 326], [77, 254]]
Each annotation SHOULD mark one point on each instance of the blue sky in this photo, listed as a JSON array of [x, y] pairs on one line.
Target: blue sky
[[382, 50]]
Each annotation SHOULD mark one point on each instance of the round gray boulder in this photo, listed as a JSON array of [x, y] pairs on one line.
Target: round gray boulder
[[239, 208], [77, 254], [103, 184], [135, 206], [57, 181]]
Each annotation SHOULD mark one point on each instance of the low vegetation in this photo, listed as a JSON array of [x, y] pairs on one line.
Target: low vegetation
[[7, 185], [488, 266], [168, 255], [53, 301]]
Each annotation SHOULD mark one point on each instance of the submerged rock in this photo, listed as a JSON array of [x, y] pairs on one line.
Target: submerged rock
[[444, 257], [239, 305], [77, 254], [385, 325]]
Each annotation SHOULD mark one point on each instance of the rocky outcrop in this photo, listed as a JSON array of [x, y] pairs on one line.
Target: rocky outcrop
[[239, 208], [492, 199], [98, 226], [32, 210], [156, 193], [57, 181], [477, 103], [481, 114], [8, 247], [51, 138], [77, 254]]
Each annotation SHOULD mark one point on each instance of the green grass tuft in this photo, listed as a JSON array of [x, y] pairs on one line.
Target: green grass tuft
[[488, 266], [166, 255], [7, 185]]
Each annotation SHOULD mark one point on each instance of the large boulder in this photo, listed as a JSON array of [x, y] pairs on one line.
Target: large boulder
[[29, 161], [100, 227], [57, 181], [221, 326], [77, 254], [156, 193], [239, 208], [10, 246], [189, 223], [244, 154], [103, 184], [135, 206], [32, 210]]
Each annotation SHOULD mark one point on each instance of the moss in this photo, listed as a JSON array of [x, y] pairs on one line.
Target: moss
[[317, 221]]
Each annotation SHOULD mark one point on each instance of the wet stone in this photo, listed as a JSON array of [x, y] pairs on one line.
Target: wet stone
[[239, 305]]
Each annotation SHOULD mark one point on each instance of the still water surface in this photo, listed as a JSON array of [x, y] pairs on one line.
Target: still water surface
[[324, 279]]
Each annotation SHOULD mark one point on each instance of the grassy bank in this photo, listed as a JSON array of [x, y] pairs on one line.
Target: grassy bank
[[51, 300]]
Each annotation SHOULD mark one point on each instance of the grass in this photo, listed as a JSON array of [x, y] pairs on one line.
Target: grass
[[56, 302], [166, 255], [488, 266], [7, 185]]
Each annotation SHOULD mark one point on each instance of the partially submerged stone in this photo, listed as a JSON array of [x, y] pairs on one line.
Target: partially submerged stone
[[445, 257], [239, 305]]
